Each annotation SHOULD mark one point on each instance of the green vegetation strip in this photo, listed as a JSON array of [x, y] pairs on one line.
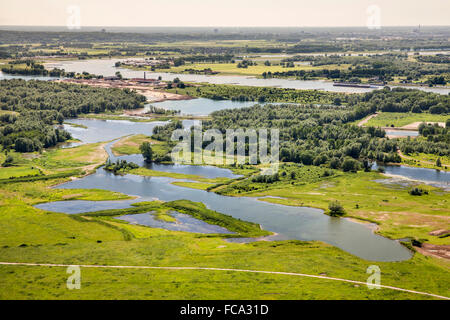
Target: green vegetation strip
[[377, 286], [43, 177], [261, 94]]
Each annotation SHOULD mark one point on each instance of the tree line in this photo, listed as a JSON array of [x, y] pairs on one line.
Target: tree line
[[323, 135], [35, 107]]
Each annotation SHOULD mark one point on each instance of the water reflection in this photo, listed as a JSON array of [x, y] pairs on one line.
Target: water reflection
[[183, 222]]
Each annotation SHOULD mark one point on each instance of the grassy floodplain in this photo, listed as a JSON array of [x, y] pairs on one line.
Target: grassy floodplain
[[318, 141], [425, 160], [130, 145], [397, 213], [254, 70], [261, 94], [45, 237], [396, 119]]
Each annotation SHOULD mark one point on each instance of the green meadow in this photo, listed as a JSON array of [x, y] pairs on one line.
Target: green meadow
[[388, 119], [33, 235], [36, 236]]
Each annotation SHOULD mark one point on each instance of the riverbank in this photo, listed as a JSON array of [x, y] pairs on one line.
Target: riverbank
[[106, 67], [310, 188], [397, 213], [88, 241], [152, 90]]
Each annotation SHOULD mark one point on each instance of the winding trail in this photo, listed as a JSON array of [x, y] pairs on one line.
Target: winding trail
[[366, 119], [227, 270]]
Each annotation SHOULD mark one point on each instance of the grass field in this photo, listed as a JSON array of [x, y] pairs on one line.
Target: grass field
[[194, 185], [426, 161], [388, 119], [2, 112], [130, 145], [153, 173], [231, 68], [86, 156], [33, 235], [120, 116], [397, 213], [8, 172]]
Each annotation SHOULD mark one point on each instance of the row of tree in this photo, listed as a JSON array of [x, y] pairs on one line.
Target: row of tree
[[321, 135], [32, 109]]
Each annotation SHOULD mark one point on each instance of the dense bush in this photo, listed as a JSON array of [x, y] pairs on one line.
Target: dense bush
[[417, 191], [120, 166], [336, 209]]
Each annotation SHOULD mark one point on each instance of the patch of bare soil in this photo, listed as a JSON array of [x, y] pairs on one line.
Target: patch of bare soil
[[440, 251], [366, 119], [439, 232], [69, 196]]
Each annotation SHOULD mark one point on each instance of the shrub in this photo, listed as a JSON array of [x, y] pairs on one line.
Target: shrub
[[147, 152], [417, 191], [8, 161], [336, 209], [350, 164]]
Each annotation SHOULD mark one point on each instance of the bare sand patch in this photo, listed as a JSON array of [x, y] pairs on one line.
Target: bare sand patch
[[440, 251], [415, 125]]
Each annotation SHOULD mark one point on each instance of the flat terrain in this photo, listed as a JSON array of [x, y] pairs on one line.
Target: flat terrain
[[37, 236], [407, 121], [256, 70]]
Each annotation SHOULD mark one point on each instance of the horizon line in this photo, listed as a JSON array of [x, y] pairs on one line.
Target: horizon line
[[184, 26]]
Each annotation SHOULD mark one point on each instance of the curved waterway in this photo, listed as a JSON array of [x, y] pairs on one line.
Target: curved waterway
[[301, 223], [106, 67]]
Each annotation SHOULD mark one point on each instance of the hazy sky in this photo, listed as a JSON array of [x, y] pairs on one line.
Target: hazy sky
[[296, 13]]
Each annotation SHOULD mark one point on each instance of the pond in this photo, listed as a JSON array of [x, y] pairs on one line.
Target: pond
[[300, 223], [201, 106], [184, 222], [105, 130], [392, 133]]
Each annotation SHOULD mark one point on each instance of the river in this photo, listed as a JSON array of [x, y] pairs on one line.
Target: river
[[301, 223], [106, 67]]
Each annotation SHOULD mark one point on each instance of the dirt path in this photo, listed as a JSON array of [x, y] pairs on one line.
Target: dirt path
[[400, 153], [226, 270], [440, 251], [366, 119]]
